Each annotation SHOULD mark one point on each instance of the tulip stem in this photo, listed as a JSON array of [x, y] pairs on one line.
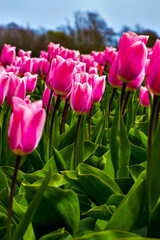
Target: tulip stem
[[89, 123], [144, 117], [125, 102], [52, 121], [11, 197], [110, 103], [150, 134], [122, 93], [157, 116], [75, 145], [64, 115], [47, 113]]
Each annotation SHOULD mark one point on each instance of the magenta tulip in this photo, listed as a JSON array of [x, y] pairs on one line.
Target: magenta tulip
[[44, 54], [98, 87], [25, 126], [31, 81], [153, 73], [13, 69], [89, 60], [60, 76], [36, 65], [4, 82], [81, 98], [45, 98], [26, 65], [109, 55], [81, 77], [132, 56], [23, 53], [17, 87], [112, 78], [44, 66], [8, 55], [53, 51], [144, 96], [93, 70], [98, 57], [134, 85]]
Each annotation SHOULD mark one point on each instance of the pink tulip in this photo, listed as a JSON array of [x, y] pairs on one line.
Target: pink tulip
[[98, 87], [17, 62], [31, 81], [134, 85], [109, 55], [81, 98], [25, 126], [153, 73], [53, 51], [26, 65], [13, 69], [17, 87], [132, 56], [36, 65], [44, 54], [80, 67], [27, 99], [23, 53], [98, 57], [60, 76], [112, 78], [68, 53], [81, 77], [44, 66], [8, 55], [45, 98], [4, 82], [93, 70], [144, 96], [89, 60]]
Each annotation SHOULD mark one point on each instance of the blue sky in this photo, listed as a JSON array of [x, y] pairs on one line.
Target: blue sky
[[50, 14]]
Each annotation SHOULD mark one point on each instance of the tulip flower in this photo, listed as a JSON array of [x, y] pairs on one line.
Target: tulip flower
[[17, 87], [8, 55], [153, 73], [109, 55], [98, 57], [132, 56], [31, 81], [134, 85], [25, 126], [4, 82], [44, 66], [53, 51], [81, 77], [81, 98], [144, 96], [13, 69], [93, 70], [36, 65], [68, 53], [98, 87], [23, 53], [26, 65], [112, 78], [44, 54], [17, 62], [60, 76], [89, 60], [45, 98]]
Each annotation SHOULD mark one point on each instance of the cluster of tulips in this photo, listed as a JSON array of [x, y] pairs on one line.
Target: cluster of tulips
[[79, 80]]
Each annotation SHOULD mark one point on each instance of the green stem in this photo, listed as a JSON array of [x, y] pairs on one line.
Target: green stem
[[122, 94], [52, 121], [64, 115], [75, 145], [150, 134], [11, 197], [157, 115], [144, 117], [125, 102], [47, 113], [110, 103], [89, 123]]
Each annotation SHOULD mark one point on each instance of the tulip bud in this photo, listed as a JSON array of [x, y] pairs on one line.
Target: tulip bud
[[23, 53], [134, 85], [31, 81], [4, 82], [112, 78], [144, 96], [8, 55], [132, 56], [60, 76], [25, 126], [81, 98], [44, 66], [98, 87], [26, 65], [53, 51]]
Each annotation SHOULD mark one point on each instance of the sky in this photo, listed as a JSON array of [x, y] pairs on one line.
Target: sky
[[49, 14]]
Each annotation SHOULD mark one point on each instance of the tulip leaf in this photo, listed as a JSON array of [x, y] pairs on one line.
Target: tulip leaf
[[138, 154], [60, 162], [60, 234], [32, 208], [67, 137], [103, 212], [63, 204], [35, 160], [127, 212]]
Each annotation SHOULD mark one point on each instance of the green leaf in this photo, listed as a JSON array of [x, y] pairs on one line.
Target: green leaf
[[56, 131], [103, 212], [153, 172], [63, 204], [138, 154], [127, 212], [138, 138], [27, 217], [60, 162], [97, 131], [35, 160], [130, 113], [135, 170], [67, 137], [60, 234]]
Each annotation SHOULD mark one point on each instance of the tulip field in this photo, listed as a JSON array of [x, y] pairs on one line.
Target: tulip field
[[79, 143]]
